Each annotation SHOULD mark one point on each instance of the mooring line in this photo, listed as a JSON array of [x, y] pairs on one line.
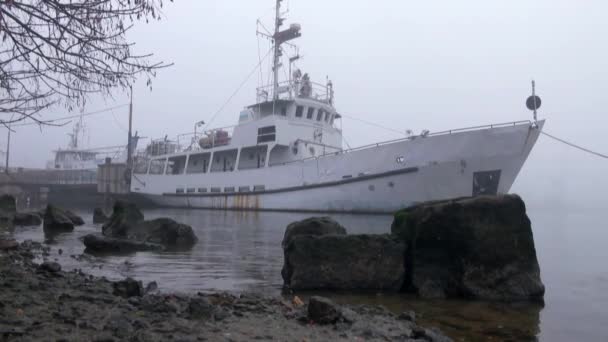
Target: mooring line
[[575, 146]]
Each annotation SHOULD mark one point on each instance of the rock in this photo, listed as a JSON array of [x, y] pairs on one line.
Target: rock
[[8, 205], [128, 288], [322, 310], [50, 266], [55, 219], [124, 216], [128, 222], [27, 219], [99, 216], [164, 231], [151, 287], [8, 244], [8, 209], [312, 226], [76, 220], [478, 247], [100, 243], [200, 308], [345, 262]]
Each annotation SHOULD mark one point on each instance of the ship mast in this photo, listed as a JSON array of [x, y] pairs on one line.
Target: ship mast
[[277, 52], [280, 37]]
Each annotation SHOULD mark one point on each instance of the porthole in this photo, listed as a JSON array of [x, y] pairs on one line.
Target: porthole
[[371, 187], [400, 159], [391, 184]]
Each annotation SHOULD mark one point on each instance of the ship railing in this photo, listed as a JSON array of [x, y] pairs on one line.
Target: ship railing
[[289, 90], [214, 137], [412, 137]]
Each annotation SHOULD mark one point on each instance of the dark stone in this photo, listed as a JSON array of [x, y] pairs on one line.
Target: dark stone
[[128, 222], [100, 243], [478, 247], [164, 231], [409, 316], [200, 308], [8, 205], [124, 216], [55, 219], [76, 220], [151, 287], [27, 219], [99, 216], [312, 226], [50, 266], [8, 244], [128, 288], [344, 262], [322, 310]]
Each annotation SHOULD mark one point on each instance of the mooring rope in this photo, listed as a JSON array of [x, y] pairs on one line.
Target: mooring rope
[[575, 146]]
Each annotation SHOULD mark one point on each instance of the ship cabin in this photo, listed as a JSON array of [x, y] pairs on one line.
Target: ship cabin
[[299, 123], [74, 159]]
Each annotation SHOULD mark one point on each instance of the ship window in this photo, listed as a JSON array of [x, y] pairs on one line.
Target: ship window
[[176, 165], [331, 121], [179, 190], [229, 189], [284, 111], [202, 189], [327, 116], [215, 190], [243, 188], [319, 114], [198, 163], [299, 111], [259, 188], [266, 134], [141, 166], [157, 166], [190, 190], [310, 112]]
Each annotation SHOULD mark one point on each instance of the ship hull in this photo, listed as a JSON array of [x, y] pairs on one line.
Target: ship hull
[[376, 179]]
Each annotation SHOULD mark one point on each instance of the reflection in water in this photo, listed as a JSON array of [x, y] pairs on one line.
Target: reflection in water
[[241, 251]]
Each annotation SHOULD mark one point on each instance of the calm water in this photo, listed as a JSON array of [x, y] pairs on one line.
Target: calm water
[[240, 251]]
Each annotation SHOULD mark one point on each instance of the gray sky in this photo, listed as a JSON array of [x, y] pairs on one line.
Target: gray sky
[[404, 64]]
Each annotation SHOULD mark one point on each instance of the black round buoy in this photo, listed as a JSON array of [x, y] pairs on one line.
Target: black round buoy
[[533, 102]]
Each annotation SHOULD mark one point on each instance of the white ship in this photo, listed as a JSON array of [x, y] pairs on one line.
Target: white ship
[[286, 153]]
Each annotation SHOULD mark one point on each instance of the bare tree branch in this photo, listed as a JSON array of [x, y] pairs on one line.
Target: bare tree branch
[[62, 51]]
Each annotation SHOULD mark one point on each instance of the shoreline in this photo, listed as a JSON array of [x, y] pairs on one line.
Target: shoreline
[[39, 301]]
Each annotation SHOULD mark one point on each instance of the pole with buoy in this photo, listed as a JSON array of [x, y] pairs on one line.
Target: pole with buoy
[[533, 102]]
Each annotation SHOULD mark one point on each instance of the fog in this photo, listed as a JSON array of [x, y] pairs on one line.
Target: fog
[[407, 65]]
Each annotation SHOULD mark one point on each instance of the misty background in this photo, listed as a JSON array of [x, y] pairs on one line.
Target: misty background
[[432, 65]]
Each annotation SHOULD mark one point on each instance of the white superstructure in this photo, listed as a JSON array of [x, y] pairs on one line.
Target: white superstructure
[[286, 153]]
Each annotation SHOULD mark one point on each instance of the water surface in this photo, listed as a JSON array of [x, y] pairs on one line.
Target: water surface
[[241, 251]]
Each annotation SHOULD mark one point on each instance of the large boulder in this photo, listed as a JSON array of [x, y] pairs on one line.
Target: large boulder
[[99, 216], [27, 219], [344, 262], [8, 206], [313, 226], [124, 216], [76, 220], [163, 231], [8, 209], [478, 247], [56, 219], [103, 244]]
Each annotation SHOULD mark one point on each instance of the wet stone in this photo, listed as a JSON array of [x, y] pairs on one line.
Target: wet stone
[[50, 266]]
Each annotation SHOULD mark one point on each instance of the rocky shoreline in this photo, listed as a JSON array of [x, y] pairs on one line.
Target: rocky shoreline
[[40, 302]]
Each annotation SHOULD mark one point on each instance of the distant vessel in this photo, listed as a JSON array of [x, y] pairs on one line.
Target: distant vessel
[[75, 157], [286, 153]]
